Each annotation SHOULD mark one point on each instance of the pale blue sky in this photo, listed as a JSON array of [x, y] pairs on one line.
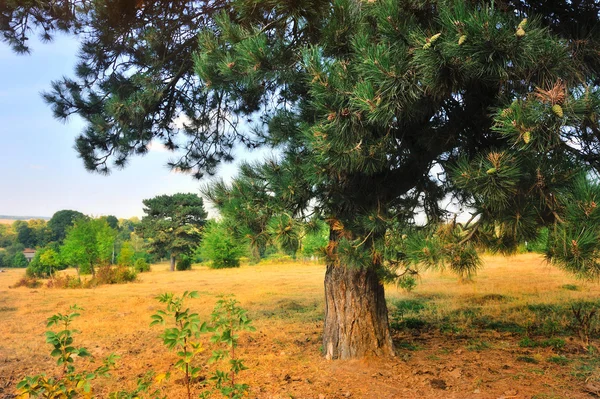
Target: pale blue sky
[[40, 172]]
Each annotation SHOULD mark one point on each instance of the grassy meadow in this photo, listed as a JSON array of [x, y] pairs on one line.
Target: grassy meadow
[[510, 333]]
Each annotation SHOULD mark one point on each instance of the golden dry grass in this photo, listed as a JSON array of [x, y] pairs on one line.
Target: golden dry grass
[[286, 303], [6, 221]]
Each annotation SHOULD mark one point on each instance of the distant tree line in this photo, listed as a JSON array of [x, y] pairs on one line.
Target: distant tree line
[[174, 227]]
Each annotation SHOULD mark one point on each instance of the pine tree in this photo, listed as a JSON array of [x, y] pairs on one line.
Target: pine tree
[[380, 109], [253, 210], [173, 224]]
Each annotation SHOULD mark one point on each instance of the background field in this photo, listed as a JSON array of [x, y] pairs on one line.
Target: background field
[[454, 340]]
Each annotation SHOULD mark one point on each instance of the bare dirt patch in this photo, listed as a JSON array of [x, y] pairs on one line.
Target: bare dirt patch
[[286, 303]]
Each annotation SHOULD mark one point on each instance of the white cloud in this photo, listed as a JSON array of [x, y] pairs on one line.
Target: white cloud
[[157, 147]]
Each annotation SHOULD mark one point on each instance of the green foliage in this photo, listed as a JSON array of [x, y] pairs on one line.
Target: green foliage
[[184, 336], [19, 260], [126, 255], [184, 263], [88, 243], [315, 240], [446, 246], [173, 223], [226, 321], [408, 282], [144, 387], [220, 247], [7, 236], [141, 266], [285, 231], [13, 249], [108, 274], [71, 383], [558, 359], [25, 234], [586, 319], [45, 263], [61, 222]]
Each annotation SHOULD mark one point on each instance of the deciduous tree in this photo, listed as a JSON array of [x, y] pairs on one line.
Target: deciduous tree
[[88, 243], [61, 221]]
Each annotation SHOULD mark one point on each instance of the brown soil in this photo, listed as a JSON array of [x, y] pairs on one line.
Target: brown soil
[[283, 355]]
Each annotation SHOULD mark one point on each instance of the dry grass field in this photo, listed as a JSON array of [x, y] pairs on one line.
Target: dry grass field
[[454, 340], [6, 221]]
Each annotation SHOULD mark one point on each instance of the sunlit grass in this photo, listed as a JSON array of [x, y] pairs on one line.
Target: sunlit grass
[[509, 300]]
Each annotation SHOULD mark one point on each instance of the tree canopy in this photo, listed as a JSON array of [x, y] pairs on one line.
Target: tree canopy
[[61, 221], [173, 224], [89, 242]]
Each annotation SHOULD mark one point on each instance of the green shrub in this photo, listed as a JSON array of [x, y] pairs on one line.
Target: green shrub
[[19, 260], [140, 265], [126, 254], [114, 275], [184, 263], [85, 269], [148, 257], [220, 247], [45, 263]]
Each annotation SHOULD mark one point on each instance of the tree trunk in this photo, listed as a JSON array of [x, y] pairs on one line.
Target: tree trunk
[[172, 263], [356, 318]]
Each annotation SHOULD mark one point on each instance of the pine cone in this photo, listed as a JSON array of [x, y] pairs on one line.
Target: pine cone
[[523, 23], [462, 39], [491, 171], [558, 111], [527, 137], [520, 32]]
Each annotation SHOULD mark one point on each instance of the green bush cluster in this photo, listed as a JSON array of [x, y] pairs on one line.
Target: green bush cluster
[[114, 275], [220, 247], [184, 263], [140, 265]]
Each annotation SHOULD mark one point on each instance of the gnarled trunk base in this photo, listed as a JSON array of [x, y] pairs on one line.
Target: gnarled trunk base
[[356, 318]]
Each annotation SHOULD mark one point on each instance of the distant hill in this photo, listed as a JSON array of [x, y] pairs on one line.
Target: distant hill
[[11, 218]]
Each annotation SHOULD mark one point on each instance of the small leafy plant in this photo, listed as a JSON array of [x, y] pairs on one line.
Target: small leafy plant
[[144, 386], [70, 383], [184, 337], [227, 320]]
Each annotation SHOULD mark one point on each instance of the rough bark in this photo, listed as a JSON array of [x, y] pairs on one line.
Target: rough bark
[[172, 263], [356, 317]]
